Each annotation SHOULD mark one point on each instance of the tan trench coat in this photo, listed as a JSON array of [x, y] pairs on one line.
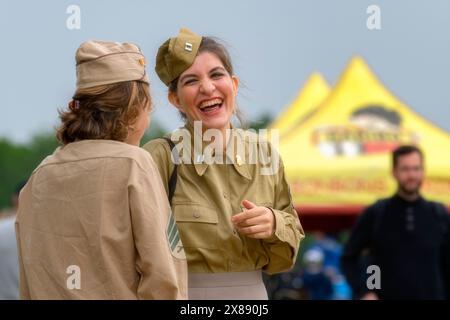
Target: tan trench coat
[[94, 223]]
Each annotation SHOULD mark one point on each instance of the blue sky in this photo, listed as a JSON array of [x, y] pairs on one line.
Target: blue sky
[[275, 46]]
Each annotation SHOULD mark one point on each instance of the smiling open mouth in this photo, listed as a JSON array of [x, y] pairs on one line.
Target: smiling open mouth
[[211, 105]]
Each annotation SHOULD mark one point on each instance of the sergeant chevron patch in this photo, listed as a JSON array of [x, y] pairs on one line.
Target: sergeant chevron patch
[[173, 238]]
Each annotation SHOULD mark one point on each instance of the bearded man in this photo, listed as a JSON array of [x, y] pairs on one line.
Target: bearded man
[[405, 237]]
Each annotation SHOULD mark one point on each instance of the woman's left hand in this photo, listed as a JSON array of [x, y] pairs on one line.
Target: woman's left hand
[[255, 222]]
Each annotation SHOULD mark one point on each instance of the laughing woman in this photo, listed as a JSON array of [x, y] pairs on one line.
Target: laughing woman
[[234, 220]]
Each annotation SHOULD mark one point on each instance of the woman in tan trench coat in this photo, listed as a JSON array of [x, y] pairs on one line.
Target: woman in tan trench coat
[[92, 223]]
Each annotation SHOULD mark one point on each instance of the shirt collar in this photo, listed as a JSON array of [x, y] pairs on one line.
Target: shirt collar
[[238, 162]]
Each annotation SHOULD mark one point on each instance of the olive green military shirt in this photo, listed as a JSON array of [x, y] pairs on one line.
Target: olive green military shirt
[[208, 195]]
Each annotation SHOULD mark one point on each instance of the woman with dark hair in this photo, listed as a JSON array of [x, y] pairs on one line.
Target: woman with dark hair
[[235, 218], [92, 223]]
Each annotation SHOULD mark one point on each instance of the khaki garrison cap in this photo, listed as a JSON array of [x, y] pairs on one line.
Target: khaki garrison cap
[[176, 55], [103, 62]]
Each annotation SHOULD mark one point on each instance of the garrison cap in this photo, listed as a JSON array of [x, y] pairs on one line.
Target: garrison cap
[[176, 55], [104, 62]]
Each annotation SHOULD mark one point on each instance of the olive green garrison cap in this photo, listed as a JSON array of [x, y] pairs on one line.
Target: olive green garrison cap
[[176, 55]]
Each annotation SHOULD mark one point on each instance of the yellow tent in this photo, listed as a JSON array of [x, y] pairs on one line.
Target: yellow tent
[[341, 155], [304, 106]]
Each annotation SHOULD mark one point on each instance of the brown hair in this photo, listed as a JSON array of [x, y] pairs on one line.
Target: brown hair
[[103, 112], [214, 46], [404, 150]]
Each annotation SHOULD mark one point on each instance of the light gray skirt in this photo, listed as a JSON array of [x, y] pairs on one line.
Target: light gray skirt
[[227, 286]]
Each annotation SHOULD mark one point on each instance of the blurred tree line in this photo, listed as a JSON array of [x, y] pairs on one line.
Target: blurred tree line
[[17, 161]]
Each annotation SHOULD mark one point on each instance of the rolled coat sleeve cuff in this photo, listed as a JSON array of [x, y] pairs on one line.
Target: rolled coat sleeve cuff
[[279, 234]]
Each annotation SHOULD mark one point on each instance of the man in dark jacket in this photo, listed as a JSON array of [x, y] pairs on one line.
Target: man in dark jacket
[[405, 236]]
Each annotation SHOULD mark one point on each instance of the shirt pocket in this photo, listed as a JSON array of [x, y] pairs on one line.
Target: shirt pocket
[[197, 226]]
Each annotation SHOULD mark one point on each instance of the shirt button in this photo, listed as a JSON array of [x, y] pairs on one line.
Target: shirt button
[[196, 215], [225, 195]]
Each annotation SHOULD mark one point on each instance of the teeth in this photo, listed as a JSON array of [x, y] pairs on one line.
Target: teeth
[[210, 103]]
